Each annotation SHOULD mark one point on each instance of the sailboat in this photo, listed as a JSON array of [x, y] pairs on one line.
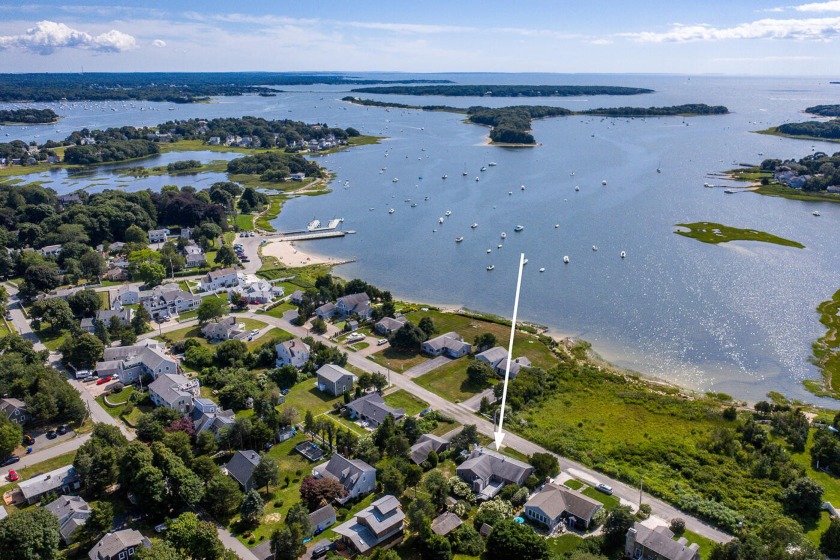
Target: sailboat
[[659, 167]]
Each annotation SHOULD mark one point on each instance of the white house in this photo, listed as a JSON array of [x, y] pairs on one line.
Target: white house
[[158, 235], [128, 363], [451, 344], [217, 279], [357, 477], [292, 352], [195, 256], [174, 391], [50, 250]]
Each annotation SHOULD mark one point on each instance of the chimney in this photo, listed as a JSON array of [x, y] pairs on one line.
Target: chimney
[[630, 542]]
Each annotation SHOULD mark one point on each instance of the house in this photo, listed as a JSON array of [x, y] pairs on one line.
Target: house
[[115, 275], [241, 467], [555, 504], [256, 291], [67, 199], [168, 300], [63, 480], [224, 329], [158, 235], [296, 297], [126, 295], [322, 518], [285, 434], [325, 311], [119, 545], [124, 315], [3, 513], [357, 477], [50, 250], [334, 379], [377, 523], [497, 358], [833, 189], [214, 140], [292, 353], [72, 512], [643, 543], [63, 293], [195, 256], [388, 326], [427, 443], [372, 409], [128, 363], [218, 279], [297, 176], [15, 410], [450, 344], [488, 472], [445, 523], [354, 304], [174, 391], [206, 415], [186, 233]]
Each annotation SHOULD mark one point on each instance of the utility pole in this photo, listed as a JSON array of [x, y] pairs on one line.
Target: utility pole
[[641, 486]]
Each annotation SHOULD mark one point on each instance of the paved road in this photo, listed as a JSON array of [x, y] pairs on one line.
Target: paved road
[[48, 453], [465, 415], [426, 367]]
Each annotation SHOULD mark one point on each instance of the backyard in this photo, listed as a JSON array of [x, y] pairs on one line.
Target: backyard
[[450, 381]]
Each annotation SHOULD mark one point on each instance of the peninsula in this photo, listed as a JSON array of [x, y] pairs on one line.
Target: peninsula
[[28, 116], [503, 91], [813, 177], [826, 356]]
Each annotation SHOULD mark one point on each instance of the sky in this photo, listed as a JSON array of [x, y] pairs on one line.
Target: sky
[[595, 36]]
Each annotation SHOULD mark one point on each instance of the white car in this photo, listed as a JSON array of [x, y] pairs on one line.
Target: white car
[[255, 331], [382, 341]]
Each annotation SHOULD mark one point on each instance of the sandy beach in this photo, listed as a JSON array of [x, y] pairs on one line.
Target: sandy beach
[[287, 253]]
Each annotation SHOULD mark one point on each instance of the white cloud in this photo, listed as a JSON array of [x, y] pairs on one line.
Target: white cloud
[[822, 29], [158, 43], [832, 6], [47, 36]]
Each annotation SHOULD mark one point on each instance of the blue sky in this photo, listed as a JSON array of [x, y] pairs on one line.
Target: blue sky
[[677, 36]]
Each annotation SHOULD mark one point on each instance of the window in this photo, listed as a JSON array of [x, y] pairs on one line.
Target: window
[[122, 555]]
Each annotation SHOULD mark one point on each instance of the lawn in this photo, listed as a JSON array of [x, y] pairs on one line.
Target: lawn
[[451, 382], [610, 502], [444, 428], [27, 472], [706, 545], [106, 299], [830, 483], [306, 396], [273, 334], [120, 399], [574, 484], [4, 328], [245, 222], [397, 360], [404, 399], [564, 543], [50, 338], [195, 332], [279, 310]]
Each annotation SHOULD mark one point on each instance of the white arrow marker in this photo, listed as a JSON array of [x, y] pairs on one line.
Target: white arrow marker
[[499, 434]]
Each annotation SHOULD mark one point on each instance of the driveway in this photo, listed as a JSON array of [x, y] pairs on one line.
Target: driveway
[[426, 367]]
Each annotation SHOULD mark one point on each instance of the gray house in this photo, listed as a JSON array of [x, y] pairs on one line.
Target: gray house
[[322, 518], [388, 326], [450, 344], [555, 504], [119, 545], [488, 472], [241, 468], [372, 409], [377, 523], [63, 480], [354, 304], [15, 410], [174, 391], [357, 477], [124, 315], [659, 543], [72, 512], [334, 379], [427, 443], [497, 358]]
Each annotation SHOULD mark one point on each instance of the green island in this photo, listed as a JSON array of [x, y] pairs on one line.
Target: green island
[[710, 232], [510, 126], [828, 131], [503, 91], [28, 116], [814, 177], [174, 87], [826, 355]]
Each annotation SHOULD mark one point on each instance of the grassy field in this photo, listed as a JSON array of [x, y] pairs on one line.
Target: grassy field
[[245, 222], [397, 360], [783, 191], [564, 543], [279, 310], [710, 232], [610, 502], [405, 400], [825, 350], [574, 484], [275, 205], [195, 332], [306, 396], [450, 381], [106, 300], [50, 338], [273, 334], [706, 545]]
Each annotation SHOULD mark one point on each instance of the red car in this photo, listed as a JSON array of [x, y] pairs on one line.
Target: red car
[[104, 380], [12, 476]]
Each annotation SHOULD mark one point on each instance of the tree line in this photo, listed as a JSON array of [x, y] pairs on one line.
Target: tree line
[[503, 90], [25, 116], [822, 170]]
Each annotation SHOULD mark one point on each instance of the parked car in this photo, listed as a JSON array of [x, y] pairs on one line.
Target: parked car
[[604, 488], [268, 446], [51, 434], [28, 440], [285, 391], [320, 551], [104, 380], [12, 476], [8, 316], [381, 341], [10, 461], [62, 429]]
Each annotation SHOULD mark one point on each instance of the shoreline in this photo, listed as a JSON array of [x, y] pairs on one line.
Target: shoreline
[[292, 256]]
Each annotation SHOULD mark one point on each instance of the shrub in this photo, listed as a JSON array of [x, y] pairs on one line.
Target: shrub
[[677, 525]]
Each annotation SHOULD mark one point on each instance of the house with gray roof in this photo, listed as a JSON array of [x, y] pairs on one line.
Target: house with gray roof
[[62, 480], [228, 328], [128, 363], [158, 235], [194, 256], [296, 297], [119, 545], [217, 279], [72, 512], [207, 415], [334, 379], [445, 523], [374, 525], [371, 408], [325, 311], [293, 352], [123, 314], [3, 513], [357, 477], [15, 410], [241, 467], [642, 543], [497, 358], [427, 443], [554, 504], [487, 472], [322, 518], [389, 325], [174, 391], [354, 304], [450, 344]]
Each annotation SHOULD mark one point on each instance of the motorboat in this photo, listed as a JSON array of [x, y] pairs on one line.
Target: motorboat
[[391, 210], [483, 168], [623, 254], [542, 269], [440, 220], [458, 239], [499, 246], [594, 247], [556, 226], [489, 250], [414, 205], [394, 180], [477, 179], [518, 228], [577, 188], [474, 226], [492, 164], [444, 177], [604, 182], [522, 187], [491, 267], [448, 213], [566, 259], [504, 235], [815, 213]]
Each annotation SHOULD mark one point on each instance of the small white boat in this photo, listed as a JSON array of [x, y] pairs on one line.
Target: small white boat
[[521, 187], [556, 226], [489, 250], [594, 247], [499, 246], [477, 179], [504, 235], [464, 173], [542, 269], [414, 205], [440, 220], [371, 209], [577, 188], [492, 164], [518, 228], [729, 191], [391, 210], [474, 226], [444, 177], [491, 267], [458, 239], [394, 180], [815, 213], [510, 193], [448, 213], [566, 259], [604, 182], [707, 185], [483, 168], [623, 254]]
